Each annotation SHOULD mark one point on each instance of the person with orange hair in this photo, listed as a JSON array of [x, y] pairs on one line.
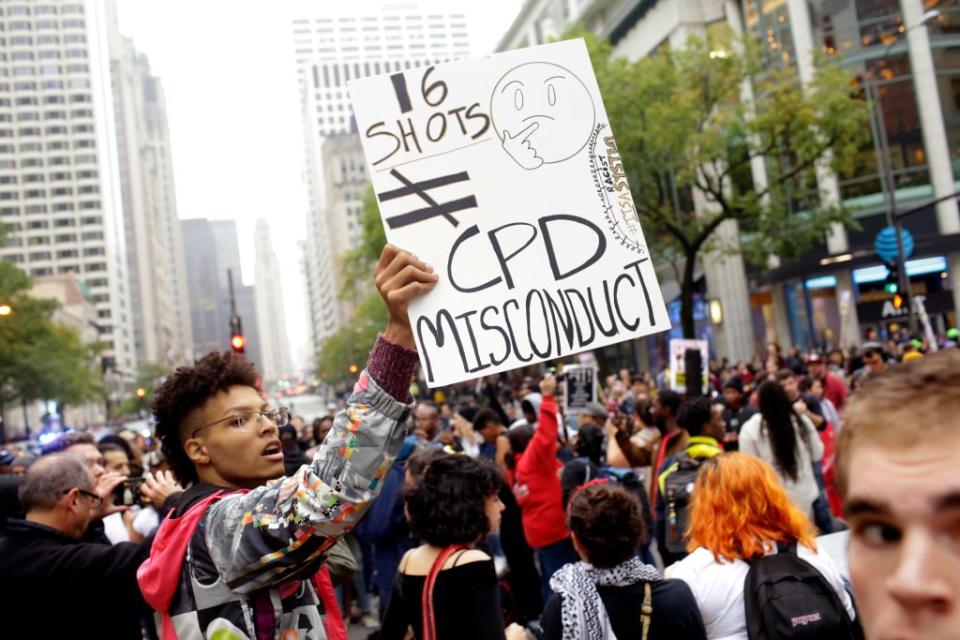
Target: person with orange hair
[[740, 512]]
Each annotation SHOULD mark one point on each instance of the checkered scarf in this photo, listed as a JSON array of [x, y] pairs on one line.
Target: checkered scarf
[[582, 614]]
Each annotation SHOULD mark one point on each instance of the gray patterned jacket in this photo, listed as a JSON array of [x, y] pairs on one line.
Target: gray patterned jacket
[[249, 558]]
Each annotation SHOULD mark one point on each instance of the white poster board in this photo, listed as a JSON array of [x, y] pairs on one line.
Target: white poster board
[[678, 363], [502, 173], [579, 387]]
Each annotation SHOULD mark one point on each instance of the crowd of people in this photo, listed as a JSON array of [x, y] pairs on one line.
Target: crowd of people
[[490, 510]]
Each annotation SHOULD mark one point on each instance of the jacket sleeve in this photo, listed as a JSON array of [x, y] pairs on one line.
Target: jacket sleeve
[[539, 457], [269, 534]]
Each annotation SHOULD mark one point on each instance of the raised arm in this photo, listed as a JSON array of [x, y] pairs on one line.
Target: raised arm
[[264, 536], [542, 450]]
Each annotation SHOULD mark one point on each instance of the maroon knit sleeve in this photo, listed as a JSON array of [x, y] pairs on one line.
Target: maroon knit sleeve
[[392, 367]]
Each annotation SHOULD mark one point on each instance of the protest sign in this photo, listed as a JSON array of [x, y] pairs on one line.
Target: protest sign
[[579, 388], [678, 363], [503, 174]]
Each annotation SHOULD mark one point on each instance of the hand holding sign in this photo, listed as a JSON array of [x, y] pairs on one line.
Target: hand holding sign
[[519, 148], [401, 277]]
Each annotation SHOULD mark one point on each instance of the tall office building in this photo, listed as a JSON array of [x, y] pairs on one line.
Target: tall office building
[[211, 249], [60, 185], [161, 315], [270, 309], [345, 182], [330, 50]]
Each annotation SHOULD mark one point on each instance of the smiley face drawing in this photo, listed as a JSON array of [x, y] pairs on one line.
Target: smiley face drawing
[[542, 114]]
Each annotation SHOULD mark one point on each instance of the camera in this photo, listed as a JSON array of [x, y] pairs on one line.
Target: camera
[[127, 493]]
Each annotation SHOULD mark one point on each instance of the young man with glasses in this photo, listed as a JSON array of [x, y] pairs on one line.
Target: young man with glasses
[[53, 583], [239, 554]]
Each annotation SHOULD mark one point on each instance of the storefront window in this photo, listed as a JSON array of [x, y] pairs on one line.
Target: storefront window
[[844, 26], [769, 20], [948, 21], [946, 62], [901, 119], [870, 31]]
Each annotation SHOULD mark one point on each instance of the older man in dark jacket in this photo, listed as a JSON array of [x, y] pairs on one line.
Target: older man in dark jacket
[[53, 584]]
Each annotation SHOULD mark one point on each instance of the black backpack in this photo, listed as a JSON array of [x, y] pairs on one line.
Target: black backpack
[[677, 490], [787, 597]]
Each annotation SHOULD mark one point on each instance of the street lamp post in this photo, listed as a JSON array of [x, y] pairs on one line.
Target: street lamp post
[[885, 167]]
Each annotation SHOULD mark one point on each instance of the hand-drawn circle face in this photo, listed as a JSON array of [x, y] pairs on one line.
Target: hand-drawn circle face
[[542, 113]]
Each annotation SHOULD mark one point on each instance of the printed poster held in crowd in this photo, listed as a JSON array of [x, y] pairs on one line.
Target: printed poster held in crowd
[[503, 174], [678, 363], [579, 387]]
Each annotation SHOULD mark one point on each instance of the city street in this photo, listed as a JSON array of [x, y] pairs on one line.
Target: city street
[[619, 319]]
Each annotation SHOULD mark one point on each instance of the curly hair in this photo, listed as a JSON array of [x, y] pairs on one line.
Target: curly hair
[[418, 462], [447, 505], [694, 414], [608, 523], [186, 391], [738, 503]]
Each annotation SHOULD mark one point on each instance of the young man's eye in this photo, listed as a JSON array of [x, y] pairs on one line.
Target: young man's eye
[[877, 534]]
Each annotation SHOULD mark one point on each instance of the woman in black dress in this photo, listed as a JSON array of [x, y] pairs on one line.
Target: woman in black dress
[[612, 593], [447, 589]]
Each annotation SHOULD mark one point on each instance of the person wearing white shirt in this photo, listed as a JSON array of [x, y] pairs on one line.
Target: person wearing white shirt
[[787, 441], [739, 512]]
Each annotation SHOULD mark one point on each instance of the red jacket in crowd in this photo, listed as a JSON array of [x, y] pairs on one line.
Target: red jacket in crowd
[[537, 485], [835, 390]]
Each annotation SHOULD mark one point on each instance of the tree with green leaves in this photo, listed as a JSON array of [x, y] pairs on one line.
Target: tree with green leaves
[[346, 350], [41, 358], [682, 127]]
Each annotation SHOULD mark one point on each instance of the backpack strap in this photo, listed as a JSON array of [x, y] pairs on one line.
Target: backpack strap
[[426, 604], [332, 620], [646, 609]]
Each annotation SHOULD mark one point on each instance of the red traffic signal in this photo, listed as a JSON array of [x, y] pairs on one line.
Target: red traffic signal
[[238, 342], [897, 301]]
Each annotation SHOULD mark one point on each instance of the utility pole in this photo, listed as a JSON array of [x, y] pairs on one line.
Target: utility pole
[[890, 186], [882, 149]]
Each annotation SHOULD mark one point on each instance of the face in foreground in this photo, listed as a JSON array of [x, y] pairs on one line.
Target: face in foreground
[[904, 513], [226, 455]]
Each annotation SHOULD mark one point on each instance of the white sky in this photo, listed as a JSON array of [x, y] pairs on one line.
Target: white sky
[[228, 71]]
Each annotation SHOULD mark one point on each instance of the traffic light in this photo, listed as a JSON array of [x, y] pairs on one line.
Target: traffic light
[[897, 301], [237, 341], [892, 284]]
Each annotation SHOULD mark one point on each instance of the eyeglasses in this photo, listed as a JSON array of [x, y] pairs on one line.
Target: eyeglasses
[[247, 420], [97, 499]]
